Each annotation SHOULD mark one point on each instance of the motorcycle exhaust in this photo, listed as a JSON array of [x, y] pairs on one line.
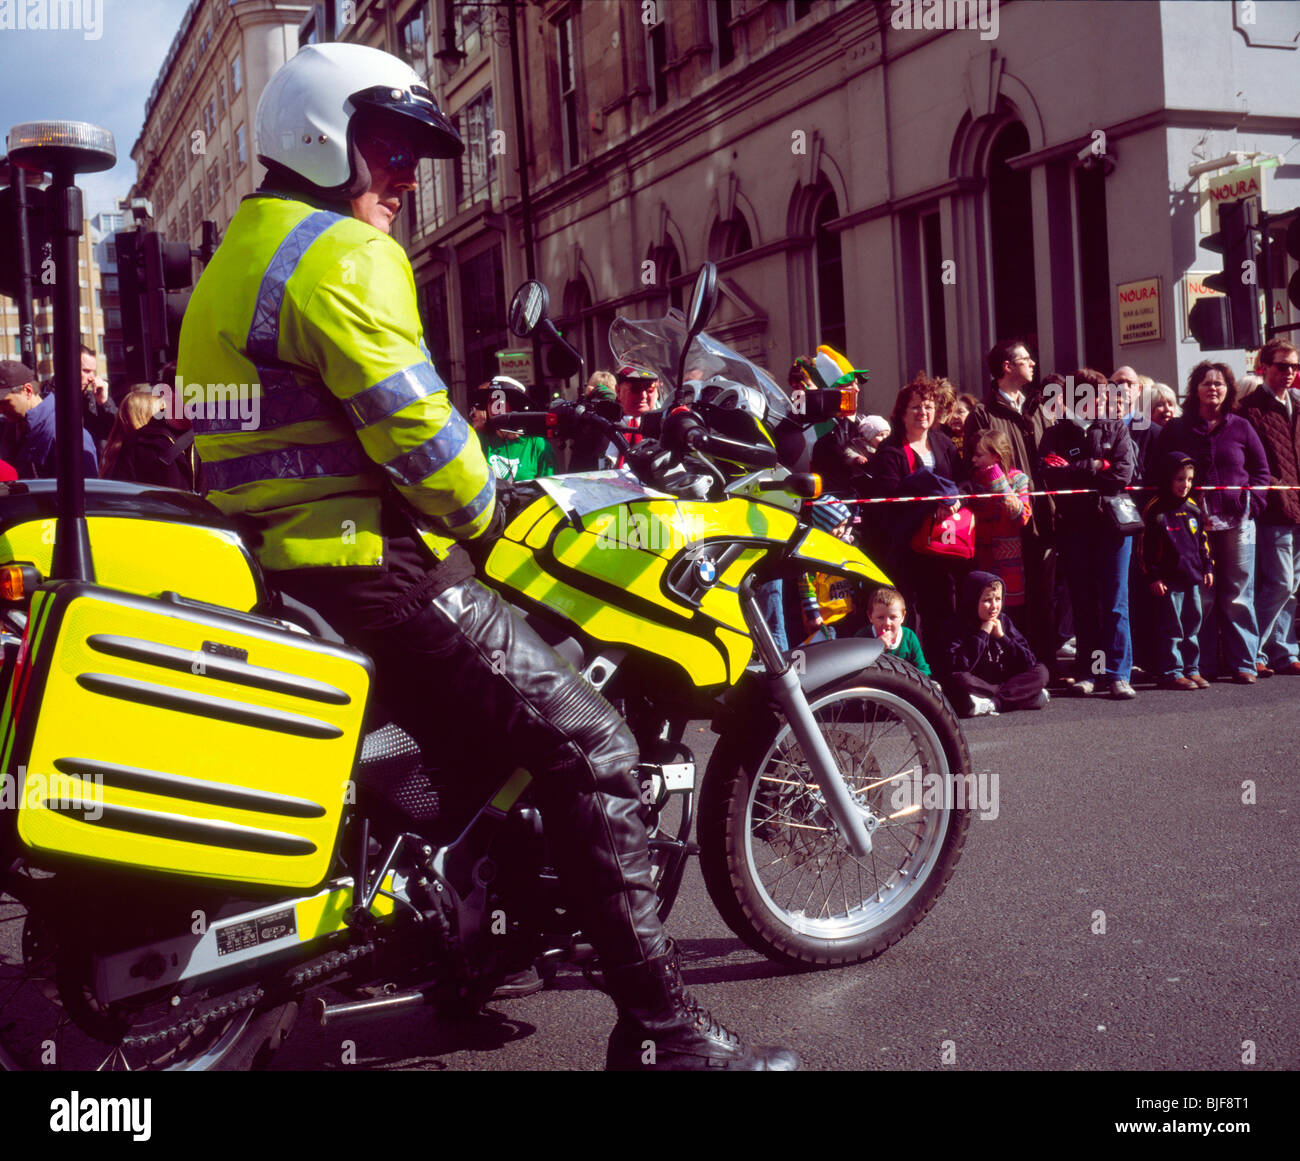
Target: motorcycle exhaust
[[364, 1009]]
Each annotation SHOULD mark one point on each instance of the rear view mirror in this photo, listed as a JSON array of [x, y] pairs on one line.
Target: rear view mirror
[[528, 308]]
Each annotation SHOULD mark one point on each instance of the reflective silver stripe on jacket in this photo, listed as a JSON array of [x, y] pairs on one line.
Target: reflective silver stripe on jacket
[[285, 399], [390, 395], [420, 463], [344, 458]]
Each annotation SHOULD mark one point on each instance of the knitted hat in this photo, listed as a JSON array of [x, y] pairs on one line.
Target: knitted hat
[[872, 426], [829, 515]]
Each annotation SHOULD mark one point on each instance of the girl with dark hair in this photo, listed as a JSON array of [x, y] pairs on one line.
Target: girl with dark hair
[[1227, 454]]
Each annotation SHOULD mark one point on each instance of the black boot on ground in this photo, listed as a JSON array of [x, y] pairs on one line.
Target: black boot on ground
[[662, 1029]]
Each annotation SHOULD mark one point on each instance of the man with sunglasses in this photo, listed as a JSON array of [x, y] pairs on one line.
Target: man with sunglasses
[[363, 481], [1274, 410]]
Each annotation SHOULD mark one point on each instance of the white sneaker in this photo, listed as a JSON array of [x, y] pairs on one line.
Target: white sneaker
[[981, 706], [1081, 688], [1040, 702]]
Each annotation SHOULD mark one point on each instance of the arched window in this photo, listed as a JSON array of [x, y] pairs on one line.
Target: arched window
[[831, 328], [667, 268], [1015, 310], [729, 238]]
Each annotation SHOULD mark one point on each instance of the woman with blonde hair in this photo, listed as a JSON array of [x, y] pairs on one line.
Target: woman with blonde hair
[[138, 406], [145, 448]]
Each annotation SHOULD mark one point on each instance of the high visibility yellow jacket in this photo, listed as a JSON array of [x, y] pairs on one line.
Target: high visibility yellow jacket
[[303, 366]]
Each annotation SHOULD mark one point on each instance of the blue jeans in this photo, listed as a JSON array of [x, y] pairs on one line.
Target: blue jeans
[[771, 602], [1096, 569], [1229, 627], [1178, 620], [1277, 577]]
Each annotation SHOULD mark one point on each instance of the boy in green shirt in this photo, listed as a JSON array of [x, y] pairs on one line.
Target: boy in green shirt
[[887, 609]]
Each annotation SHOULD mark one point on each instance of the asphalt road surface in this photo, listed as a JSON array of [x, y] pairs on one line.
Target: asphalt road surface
[[1130, 904]]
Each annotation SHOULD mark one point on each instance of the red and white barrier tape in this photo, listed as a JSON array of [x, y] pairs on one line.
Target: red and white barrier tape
[[1057, 492]]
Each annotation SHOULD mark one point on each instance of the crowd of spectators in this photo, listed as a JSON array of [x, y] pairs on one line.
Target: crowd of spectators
[[1093, 497], [134, 441]]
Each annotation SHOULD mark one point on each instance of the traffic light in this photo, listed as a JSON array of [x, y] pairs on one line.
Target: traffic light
[[1232, 322], [149, 269], [1281, 234], [39, 251]]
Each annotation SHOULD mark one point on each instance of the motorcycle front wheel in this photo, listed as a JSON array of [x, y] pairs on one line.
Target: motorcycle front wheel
[[50, 1021], [774, 863]]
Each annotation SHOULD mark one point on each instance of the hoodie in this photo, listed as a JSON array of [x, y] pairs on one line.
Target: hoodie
[[1175, 548], [969, 649]]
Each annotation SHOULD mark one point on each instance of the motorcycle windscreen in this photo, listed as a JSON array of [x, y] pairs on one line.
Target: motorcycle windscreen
[[181, 739]]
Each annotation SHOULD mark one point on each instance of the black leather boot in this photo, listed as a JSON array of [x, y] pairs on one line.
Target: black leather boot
[[661, 1028]]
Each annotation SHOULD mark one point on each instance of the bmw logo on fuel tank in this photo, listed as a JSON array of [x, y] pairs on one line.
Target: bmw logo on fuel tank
[[706, 568]]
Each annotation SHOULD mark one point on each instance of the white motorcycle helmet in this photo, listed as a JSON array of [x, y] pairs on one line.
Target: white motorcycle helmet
[[307, 117]]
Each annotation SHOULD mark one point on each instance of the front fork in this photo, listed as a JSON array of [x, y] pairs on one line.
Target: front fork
[[855, 822]]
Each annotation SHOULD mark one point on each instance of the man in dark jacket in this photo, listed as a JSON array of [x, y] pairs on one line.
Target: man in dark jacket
[[98, 411], [1273, 409], [1010, 407], [1092, 450], [29, 442]]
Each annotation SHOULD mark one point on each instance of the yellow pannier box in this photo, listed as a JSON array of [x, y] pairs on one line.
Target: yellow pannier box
[[170, 736]]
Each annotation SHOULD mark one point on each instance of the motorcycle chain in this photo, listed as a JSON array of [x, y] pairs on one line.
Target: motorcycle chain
[[304, 976]]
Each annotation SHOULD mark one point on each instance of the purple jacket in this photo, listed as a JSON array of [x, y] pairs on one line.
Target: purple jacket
[[1230, 454]]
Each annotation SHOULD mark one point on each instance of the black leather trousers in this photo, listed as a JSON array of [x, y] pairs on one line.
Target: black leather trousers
[[471, 682]]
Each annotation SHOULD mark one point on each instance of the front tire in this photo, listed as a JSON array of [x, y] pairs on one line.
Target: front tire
[[774, 863]]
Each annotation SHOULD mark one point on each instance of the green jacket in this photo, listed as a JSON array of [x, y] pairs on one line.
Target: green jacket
[[304, 369]]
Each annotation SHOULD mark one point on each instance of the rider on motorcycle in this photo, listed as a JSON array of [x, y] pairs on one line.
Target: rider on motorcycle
[[362, 479]]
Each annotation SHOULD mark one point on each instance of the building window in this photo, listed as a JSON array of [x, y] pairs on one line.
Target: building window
[[221, 97], [185, 223], [729, 238], [788, 12], [724, 48], [668, 266], [568, 91], [241, 150], [437, 329], [430, 201], [210, 117], [1011, 258], [412, 38], [110, 253], [110, 282], [935, 310], [469, 28], [113, 320], [236, 76], [214, 184], [225, 166], [478, 164], [1094, 266], [483, 307], [657, 60], [830, 326], [196, 206]]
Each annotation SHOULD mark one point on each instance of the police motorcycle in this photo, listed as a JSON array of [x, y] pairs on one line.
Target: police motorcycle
[[198, 833]]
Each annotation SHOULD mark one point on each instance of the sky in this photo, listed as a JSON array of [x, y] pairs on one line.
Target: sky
[[73, 75]]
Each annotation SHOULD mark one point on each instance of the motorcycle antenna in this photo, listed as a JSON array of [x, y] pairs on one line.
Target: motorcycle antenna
[[64, 149]]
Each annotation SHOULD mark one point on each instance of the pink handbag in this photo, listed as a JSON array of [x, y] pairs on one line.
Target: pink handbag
[[948, 535]]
